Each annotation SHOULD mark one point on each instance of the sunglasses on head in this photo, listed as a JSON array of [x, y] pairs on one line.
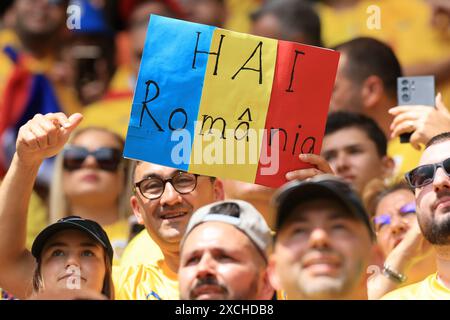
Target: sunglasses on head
[[107, 158], [423, 175]]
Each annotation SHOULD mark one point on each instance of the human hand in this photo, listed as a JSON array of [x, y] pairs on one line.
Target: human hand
[[425, 122], [413, 248], [321, 167], [44, 136]]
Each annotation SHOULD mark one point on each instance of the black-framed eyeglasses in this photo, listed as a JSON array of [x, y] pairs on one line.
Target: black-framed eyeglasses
[[153, 187], [424, 175], [107, 158]]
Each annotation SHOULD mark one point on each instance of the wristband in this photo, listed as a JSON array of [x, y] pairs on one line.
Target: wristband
[[393, 275]]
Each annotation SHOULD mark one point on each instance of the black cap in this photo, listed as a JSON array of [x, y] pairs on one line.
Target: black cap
[[326, 186], [92, 228]]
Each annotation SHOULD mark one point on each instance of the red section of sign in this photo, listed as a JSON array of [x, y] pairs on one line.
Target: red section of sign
[[301, 92]]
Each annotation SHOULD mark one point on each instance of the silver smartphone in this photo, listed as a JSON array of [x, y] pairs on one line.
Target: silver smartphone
[[415, 91]]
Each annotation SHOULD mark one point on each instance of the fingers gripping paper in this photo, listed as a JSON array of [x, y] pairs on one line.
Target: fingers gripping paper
[[227, 104]]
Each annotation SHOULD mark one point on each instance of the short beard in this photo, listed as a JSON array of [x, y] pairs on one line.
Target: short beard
[[326, 287], [437, 233]]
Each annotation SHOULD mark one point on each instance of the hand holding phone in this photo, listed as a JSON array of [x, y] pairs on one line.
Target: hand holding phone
[[415, 91]]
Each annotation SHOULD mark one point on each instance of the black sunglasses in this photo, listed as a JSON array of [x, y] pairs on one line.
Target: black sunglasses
[[108, 159], [423, 175]]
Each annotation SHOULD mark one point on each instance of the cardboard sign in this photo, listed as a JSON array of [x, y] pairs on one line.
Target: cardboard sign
[[227, 104]]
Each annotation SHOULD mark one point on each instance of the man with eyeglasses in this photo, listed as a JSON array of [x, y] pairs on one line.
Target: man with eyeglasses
[[431, 182], [164, 200]]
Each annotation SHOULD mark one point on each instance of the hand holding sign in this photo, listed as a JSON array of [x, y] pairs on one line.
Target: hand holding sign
[[221, 103]]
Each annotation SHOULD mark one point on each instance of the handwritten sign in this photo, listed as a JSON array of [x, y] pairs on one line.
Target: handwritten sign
[[227, 104]]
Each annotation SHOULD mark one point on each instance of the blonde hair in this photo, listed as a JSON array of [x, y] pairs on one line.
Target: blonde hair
[[58, 206]]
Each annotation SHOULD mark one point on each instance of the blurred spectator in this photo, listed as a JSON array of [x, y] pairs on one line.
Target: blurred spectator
[[90, 180], [88, 54], [403, 24], [224, 252], [431, 183], [113, 111], [366, 82], [26, 63], [324, 241], [210, 12], [355, 147], [407, 253], [291, 20]]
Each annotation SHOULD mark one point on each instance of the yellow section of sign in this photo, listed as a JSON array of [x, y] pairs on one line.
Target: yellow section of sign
[[234, 104]]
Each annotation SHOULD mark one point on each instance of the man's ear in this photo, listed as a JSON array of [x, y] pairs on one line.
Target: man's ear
[[372, 92], [272, 274], [136, 206], [388, 166], [267, 290], [219, 193]]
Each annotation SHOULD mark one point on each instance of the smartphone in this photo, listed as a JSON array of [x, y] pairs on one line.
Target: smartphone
[[415, 91]]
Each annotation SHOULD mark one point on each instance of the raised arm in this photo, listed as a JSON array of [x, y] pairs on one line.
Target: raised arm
[[42, 137]]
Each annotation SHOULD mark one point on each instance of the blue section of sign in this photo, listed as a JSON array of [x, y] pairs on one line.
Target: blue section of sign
[[168, 90]]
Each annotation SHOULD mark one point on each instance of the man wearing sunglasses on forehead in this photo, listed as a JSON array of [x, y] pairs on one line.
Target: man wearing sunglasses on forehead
[[431, 183]]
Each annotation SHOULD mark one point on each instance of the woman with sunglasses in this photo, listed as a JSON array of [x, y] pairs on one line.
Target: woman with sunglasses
[[409, 258], [73, 253], [90, 180]]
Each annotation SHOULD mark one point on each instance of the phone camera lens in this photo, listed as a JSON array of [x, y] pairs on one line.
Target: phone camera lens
[[404, 82], [405, 97]]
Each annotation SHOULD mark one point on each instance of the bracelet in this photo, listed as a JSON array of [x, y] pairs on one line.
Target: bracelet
[[393, 275]]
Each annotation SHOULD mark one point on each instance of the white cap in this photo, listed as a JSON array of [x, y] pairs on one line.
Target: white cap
[[238, 213]]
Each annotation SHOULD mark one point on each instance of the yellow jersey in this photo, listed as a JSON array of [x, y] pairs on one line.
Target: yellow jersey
[[118, 234], [428, 289], [112, 111], [141, 250], [405, 156], [145, 282]]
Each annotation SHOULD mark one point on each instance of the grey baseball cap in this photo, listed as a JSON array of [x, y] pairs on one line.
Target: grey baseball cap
[[239, 214], [324, 186]]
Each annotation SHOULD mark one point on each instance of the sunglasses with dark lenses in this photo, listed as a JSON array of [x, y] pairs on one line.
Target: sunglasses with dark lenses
[[423, 175], [107, 159], [153, 187]]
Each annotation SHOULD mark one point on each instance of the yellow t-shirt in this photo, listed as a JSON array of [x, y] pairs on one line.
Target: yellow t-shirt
[[118, 234], [405, 156], [141, 250], [113, 111], [428, 289], [145, 282]]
